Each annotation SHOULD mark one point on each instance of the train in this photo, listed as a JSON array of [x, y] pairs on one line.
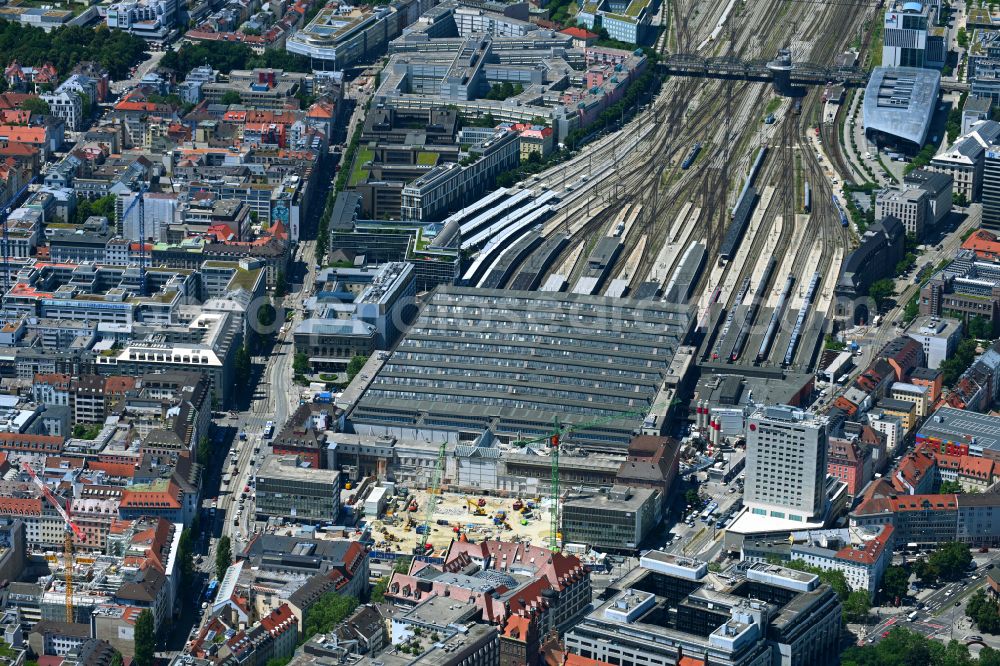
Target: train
[[730, 316], [800, 320], [807, 198], [840, 211], [772, 326], [691, 156], [797, 107], [758, 296]]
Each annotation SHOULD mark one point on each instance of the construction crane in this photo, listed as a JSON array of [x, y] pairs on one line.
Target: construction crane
[[432, 501], [5, 211], [71, 531], [554, 438], [140, 201]]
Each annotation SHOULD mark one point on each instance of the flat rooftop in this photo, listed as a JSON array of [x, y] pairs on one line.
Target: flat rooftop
[[900, 102], [516, 360], [979, 431]]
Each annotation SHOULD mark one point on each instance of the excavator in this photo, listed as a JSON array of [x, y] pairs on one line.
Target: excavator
[[476, 507]]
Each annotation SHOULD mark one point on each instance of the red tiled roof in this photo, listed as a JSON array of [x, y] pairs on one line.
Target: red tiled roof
[[121, 470], [871, 551], [168, 499], [920, 502], [20, 506], [579, 33], [276, 621]]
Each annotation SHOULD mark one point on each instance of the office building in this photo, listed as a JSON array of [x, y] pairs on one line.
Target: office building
[[786, 464], [882, 247], [991, 190], [153, 20], [618, 520], [671, 612], [355, 312], [961, 432], [938, 336], [909, 205], [899, 104], [341, 35], [559, 355], [287, 489], [905, 34], [965, 287]]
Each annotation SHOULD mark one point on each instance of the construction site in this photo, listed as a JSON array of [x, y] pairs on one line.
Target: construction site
[[456, 516]]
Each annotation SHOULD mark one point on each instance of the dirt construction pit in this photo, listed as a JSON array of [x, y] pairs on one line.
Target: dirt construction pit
[[462, 516]]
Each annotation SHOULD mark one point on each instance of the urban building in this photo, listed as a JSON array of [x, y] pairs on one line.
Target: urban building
[[786, 464], [961, 432], [964, 288], [862, 559], [938, 336], [619, 519], [153, 20], [341, 35], [456, 394], [745, 617], [355, 312], [909, 205], [288, 490], [965, 159], [899, 104], [882, 247], [905, 27]]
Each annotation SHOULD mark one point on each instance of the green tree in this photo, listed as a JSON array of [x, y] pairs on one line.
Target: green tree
[[116, 659], [88, 431], [912, 309], [925, 571], [185, 555], [231, 97], [36, 105], [266, 315], [402, 565], [223, 557], [856, 606], [241, 366], [145, 641], [692, 497], [984, 612], [300, 363], [280, 284], [903, 647], [951, 560], [881, 290], [378, 590], [354, 366], [953, 367], [834, 579], [329, 610], [951, 488], [204, 450], [980, 328], [959, 199], [895, 582]]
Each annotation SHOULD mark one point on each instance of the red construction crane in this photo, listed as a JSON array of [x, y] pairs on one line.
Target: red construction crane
[[71, 531]]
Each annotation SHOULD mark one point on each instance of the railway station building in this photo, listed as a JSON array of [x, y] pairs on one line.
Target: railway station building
[[899, 104]]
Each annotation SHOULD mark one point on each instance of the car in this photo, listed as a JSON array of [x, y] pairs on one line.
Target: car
[[246, 489], [958, 603], [973, 637]]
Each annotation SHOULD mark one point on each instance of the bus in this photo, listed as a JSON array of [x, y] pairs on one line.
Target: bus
[[212, 589], [226, 479], [268, 429]]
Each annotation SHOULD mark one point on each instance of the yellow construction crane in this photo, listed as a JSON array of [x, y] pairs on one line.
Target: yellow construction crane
[[71, 531]]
